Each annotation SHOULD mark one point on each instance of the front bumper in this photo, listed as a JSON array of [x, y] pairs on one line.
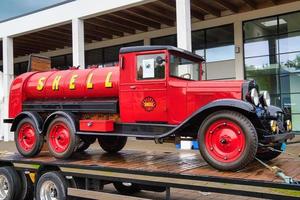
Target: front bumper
[[278, 138]]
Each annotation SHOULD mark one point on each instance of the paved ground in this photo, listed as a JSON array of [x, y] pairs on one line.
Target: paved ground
[[176, 194]]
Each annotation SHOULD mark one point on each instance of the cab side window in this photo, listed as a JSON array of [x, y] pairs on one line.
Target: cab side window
[[151, 66]]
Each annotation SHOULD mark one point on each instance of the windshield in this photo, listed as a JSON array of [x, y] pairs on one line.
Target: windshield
[[184, 68]]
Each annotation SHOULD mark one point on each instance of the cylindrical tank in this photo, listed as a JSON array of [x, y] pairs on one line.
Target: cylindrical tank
[[73, 84]]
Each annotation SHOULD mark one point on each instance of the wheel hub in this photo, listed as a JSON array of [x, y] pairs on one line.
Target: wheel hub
[[26, 137], [48, 191], [225, 140], [59, 137], [3, 187]]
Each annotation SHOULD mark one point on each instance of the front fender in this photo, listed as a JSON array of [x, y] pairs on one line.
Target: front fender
[[194, 121], [32, 115]]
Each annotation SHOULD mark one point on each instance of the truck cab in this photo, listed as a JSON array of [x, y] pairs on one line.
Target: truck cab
[[164, 84]]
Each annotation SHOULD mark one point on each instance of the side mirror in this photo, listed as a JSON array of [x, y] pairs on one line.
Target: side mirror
[[159, 60]]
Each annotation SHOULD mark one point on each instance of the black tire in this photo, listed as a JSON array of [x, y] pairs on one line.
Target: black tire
[[27, 187], [127, 188], [12, 183], [73, 139], [39, 141], [59, 182], [85, 143], [249, 134], [82, 146], [112, 144], [266, 154]]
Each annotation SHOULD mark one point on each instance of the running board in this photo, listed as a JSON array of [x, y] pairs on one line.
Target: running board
[[142, 130]]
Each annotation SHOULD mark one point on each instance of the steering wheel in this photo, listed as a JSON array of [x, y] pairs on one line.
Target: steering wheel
[[186, 74]]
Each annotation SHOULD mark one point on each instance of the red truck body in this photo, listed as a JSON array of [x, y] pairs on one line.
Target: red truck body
[[156, 92]]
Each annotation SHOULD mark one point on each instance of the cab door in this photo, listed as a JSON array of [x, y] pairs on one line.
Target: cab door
[[148, 89]]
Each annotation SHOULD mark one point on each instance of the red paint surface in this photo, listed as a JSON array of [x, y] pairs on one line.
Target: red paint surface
[[175, 99], [59, 137], [225, 141], [96, 125], [26, 137]]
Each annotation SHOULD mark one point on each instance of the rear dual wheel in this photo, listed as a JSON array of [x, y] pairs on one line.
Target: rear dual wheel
[[61, 138], [227, 140], [112, 144]]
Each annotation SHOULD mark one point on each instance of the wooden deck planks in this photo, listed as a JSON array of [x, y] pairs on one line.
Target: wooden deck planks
[[180, 162]]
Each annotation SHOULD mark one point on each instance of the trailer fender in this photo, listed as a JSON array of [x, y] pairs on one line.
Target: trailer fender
[[32, 115], [198, 116], [68, 115]]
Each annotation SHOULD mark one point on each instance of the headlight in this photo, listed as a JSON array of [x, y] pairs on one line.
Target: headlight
[[288, 125], [265, 98], [254, 96]]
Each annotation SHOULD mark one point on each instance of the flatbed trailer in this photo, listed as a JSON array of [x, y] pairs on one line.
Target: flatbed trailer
[[86, 173]]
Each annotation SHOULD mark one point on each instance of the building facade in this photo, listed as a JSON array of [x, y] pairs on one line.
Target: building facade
[[240, 39]]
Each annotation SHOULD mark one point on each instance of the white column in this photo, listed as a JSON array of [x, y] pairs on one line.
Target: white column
[[8, 75], [78, 42], [1, 105], [183, 24], [239, 49]]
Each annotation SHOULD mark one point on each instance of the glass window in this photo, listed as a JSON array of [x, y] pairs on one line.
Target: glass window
[[289, 22], [94, 57], [184, 68], [20, 68], [290, 63], [166, 40], [58, 62], [198, 42], [220, 43], [261, 65], [151, 66], [296, 118], [274, 61], [261, 47], [69, 60], [267, 82], [260, 27], [290, 83], [1, 68], [289, 42], [292, 102]]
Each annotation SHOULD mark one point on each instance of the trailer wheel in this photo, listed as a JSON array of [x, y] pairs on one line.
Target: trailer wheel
[[267, 154], [10, 184], [27, 187], [127, 188], [29, 141], [112, 144], [227, 140], [61, 138], [51, 185]]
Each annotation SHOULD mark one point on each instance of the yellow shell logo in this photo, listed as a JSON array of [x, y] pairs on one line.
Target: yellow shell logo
[[148, 104]]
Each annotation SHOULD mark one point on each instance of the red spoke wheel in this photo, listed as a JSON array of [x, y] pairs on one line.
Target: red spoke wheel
[[61, 138], [227, 140], [28, 140]]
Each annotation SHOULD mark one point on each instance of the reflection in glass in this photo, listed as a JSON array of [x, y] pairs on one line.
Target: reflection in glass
[[289, 42], [260, 27], [290, 83], [261, 65], [220, 53], [267, 82], [290, 63], [291, 22], [261, 47]]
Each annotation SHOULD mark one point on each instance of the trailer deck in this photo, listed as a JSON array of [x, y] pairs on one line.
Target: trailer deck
[[182, 169]]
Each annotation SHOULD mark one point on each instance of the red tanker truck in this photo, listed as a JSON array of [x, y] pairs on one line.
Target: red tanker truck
[[156, 92]]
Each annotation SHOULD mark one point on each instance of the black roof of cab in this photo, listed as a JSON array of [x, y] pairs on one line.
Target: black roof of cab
[[156, 47]]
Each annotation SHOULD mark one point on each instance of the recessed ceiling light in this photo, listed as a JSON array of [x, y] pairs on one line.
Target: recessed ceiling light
[[273, 22]]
